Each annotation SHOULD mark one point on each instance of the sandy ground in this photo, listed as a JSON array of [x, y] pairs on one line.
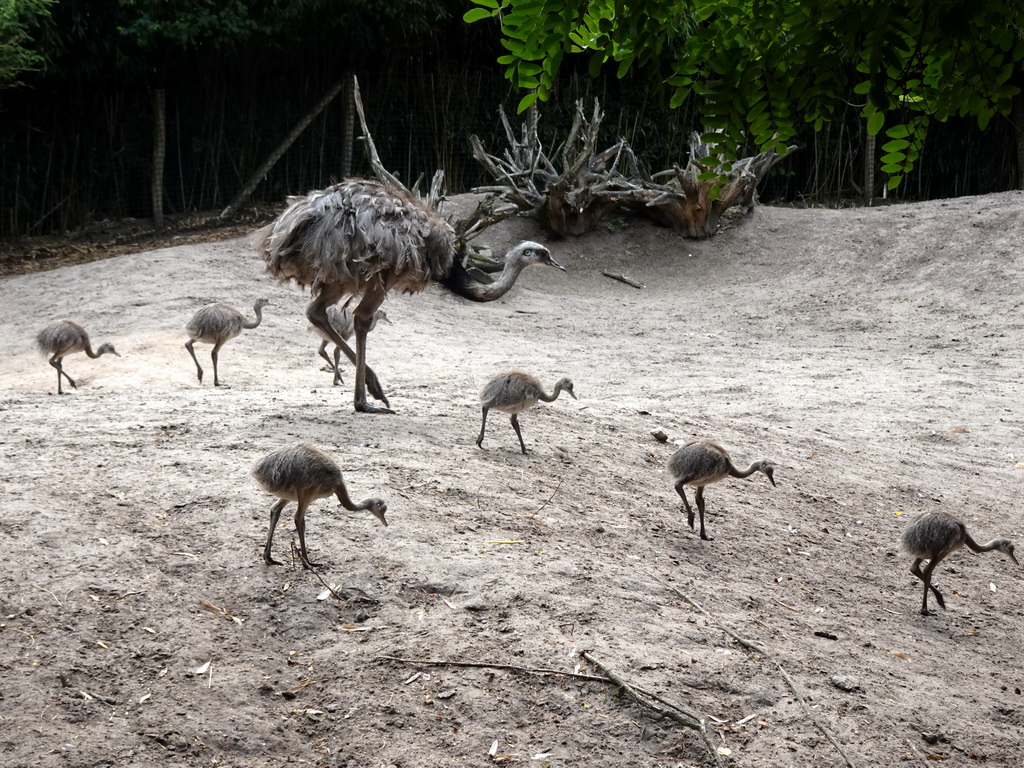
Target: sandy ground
[[873, 355]]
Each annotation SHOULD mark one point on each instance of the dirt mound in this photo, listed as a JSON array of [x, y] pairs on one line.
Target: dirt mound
[[873, 355]]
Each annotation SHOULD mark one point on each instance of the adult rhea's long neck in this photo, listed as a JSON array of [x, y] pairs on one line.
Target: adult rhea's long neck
[[514, 264], [461, 282]]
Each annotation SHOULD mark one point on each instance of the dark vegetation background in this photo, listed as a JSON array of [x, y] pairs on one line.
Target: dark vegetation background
[[76, 139]]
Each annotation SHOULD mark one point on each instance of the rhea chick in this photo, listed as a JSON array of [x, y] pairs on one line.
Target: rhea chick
[[303, 474], [216, 324], [341, 320], [702, 462], [933, 536], [514, 392], [63, 338]]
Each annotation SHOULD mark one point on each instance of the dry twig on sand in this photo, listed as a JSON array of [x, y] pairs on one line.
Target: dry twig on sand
[[645, 698], [491, 665], [681, 715], [785, 675], [621, 278]]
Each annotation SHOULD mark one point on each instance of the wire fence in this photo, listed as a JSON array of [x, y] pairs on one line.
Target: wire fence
[[71, 159]]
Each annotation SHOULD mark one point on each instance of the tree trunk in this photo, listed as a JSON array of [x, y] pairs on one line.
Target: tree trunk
[[869, 166], [348, 137], [159, 156], [274, 156], [1018, 129]]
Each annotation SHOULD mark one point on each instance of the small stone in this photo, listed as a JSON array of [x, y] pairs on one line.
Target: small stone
[[660, 436], [845, 683]]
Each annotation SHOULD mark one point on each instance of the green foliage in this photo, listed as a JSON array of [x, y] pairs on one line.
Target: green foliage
[[151, 38], [758, 67], [149, 23], [18, 19]]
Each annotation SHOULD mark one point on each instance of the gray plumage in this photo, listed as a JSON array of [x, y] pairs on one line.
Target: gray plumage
[[303, 474], [362, 239], [216, 324], [933, 536], [65, 337], [701, 462], [514, 392], [342, 322]]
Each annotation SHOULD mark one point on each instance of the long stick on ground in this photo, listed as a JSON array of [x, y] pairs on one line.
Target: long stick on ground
[[672, 711], [645, 698], [785, 675], [489, 665]]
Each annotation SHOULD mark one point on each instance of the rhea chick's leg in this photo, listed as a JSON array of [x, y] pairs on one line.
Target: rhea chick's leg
[[58, 363], [275, 515], [680, 489], [926, 577], [213, 356], [300, 527], [699, 498], [483, 425], [199, 368], [519, 434], [337, 367]]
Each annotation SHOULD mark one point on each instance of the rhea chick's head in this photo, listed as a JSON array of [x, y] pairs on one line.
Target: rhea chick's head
[[1006, 547], [565, 384], [378, 509], [769, 470], [529, 252], [107, 349]]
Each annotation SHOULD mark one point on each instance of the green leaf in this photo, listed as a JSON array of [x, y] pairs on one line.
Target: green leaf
[[897, 132], [476, 14], [875, 123], [894, 182], [525, 102], [895, 145]]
